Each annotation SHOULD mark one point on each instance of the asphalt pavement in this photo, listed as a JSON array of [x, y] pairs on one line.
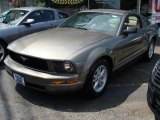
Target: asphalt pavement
[[125, 98]]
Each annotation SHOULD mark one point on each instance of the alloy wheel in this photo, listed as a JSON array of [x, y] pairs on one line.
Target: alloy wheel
[[100, 78], [2, 53], [151, 50]]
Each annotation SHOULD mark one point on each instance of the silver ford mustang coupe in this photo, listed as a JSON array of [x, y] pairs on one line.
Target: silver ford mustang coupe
[[82, 52], [18, 22]]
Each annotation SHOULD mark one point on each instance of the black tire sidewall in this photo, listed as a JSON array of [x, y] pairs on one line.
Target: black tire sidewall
[[89, 91], [147, 58], [5, 52]]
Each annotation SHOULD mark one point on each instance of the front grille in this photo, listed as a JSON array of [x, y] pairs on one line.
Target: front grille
[[28, 61], [156, 75], [40, 87]]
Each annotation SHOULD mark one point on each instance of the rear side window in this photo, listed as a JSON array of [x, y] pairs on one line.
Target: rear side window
[[48, 15], [145, 21], [62, 15]]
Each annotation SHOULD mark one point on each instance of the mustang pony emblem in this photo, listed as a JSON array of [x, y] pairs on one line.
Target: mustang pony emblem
[[23, 58]]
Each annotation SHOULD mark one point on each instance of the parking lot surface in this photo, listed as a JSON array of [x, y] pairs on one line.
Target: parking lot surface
[[125, 98]]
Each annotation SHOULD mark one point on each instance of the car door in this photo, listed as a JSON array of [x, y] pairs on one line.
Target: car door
[[10, 34], [49, 17], [39, 23], [130, 45]]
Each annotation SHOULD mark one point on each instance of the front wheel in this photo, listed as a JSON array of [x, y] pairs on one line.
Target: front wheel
[[97, 79], [150, 52], [3, 52]]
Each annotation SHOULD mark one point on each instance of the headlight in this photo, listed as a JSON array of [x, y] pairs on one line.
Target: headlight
[[68, 67], [64, 67]]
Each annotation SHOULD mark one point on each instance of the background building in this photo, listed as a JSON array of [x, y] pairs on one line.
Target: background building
[[6, 4], [73, 6]]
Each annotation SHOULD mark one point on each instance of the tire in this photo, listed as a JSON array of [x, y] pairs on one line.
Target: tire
[[150, 51], [96, 82], [3, 52]]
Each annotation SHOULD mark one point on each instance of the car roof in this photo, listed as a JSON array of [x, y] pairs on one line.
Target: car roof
[[35, 8], [114, 11]]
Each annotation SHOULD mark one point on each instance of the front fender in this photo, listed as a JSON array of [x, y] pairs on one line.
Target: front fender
[[2, 40], [92, 58]]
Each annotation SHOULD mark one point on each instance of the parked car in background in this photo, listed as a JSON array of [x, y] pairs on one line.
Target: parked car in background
[[18, 22], [153, 94], [82, 52]]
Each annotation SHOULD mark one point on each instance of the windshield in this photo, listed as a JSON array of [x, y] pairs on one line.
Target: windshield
[[12, 17], [100, 22]]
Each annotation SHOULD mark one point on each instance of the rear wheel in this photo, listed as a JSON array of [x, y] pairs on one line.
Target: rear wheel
[[97, 79], [3, 52], [150, 52]]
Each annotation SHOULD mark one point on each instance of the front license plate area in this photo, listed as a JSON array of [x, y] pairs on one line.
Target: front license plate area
[[19, 79]]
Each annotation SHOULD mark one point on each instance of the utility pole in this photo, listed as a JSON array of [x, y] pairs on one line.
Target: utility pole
[[138, 6], [88, 5]]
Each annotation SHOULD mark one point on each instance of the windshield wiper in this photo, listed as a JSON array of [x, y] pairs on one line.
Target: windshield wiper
[[9, 23], [75, 27], [5, 22], [81, 28]]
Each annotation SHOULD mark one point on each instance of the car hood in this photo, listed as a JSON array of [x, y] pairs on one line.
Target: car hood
[[2, 25], [56, 43]]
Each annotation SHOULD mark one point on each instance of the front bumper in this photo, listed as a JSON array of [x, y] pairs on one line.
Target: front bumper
[[42, 81], [153, 98]]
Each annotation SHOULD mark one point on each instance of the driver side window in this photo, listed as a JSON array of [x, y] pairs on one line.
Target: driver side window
[[36, 15], [132, 21]]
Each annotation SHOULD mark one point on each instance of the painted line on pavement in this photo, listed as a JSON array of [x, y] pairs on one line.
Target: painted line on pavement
[[141, 70], [127, 85]]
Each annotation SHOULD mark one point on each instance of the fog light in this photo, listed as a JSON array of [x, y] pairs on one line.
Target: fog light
[[64, 82], [68, 67]]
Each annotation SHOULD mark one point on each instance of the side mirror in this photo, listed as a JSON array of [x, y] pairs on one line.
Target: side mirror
[[28, 22], [1, 18], [130, 30]]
